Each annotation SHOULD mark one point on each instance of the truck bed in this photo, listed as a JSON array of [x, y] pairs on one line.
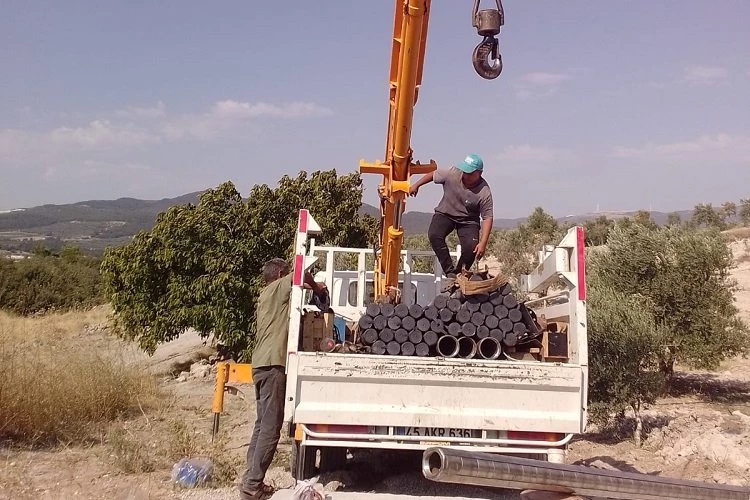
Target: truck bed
[[367, 390]]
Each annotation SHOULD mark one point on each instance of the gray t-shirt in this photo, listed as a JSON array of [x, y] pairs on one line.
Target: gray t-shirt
[[459, 202]]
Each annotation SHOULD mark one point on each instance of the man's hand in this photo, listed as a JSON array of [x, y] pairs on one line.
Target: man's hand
[[319, 288], [414, 188], [479, 250]]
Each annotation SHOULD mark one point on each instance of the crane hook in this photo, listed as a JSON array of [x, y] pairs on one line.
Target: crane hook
[[488, 63], [486, 57]]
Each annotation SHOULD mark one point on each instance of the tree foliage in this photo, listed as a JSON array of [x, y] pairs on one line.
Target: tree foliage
[[622, 333], [704, 215], [49, 281], [685, 275], [199, 266], [674, 219], [744, 211], [516, 248], [597, 230]]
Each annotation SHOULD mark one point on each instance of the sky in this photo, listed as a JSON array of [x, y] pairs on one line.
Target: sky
[[601, 105]]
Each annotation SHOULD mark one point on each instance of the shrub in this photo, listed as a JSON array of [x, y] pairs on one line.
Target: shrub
[[46, 282]]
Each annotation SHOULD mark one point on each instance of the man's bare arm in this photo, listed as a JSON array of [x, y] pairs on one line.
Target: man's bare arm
[[312, 284], [484, 237], [414, 188]]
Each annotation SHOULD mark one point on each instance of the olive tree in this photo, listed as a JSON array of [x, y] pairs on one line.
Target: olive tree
[[685, 274], [624, 345], [199, 266]]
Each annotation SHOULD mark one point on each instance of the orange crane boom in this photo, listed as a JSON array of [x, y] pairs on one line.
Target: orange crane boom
[[410, 22]]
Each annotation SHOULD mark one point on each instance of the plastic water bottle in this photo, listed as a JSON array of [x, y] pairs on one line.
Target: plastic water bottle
[[191, 472]]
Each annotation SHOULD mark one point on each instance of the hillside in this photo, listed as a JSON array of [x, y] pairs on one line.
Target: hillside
[[96, 224]]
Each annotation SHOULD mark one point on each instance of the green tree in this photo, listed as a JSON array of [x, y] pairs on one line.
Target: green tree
[[72, 254], [45, 282], [728, 211], [704, 215], [673, 219], [685, 274], [643, 218], [199, 266], [622, 333], [744, 211], [516, 248], [597, 230], [540, 227]]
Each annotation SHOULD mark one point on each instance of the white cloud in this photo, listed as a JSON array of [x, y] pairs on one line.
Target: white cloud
[[541, 78], [136, 127], [711, 150], [705, 75], [228, 114], [525, 153], [136, 113], [21, 147], [246, 110], [100, 134], [539, 84]]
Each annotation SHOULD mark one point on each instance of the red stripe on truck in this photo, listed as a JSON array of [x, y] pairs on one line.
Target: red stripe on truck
[[298, 270], [581, 262], [302, 224]]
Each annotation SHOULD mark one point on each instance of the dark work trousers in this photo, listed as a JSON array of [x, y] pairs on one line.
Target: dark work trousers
[[468, 235], [270, 387]]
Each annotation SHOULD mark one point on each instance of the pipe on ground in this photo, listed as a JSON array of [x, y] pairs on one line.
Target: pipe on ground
[[499, 471]]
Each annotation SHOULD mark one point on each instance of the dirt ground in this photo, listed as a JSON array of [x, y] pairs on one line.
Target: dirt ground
[[701, 431]]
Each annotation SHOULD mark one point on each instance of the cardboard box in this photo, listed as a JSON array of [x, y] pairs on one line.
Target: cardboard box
[[316, 326]]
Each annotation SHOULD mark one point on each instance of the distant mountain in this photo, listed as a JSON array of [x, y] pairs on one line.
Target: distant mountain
[[93, 225], [96, 224]]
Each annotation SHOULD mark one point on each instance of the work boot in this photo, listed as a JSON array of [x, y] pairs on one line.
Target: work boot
[[264, 492]]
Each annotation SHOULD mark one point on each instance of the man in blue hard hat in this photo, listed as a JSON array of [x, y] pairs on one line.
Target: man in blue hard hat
[[466, 198]]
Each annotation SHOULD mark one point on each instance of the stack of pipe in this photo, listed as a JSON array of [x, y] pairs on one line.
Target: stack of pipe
[[453, 325]]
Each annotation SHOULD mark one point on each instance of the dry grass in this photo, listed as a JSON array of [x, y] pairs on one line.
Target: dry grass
[[737, 233], [60, 382], [135, 450]]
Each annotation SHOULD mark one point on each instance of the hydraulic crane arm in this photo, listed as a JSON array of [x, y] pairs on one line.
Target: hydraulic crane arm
[[410, 22]]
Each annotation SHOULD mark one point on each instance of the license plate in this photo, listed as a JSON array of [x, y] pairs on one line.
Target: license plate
[[432, 432]]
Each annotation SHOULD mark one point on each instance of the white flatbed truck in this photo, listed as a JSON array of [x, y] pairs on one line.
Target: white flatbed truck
[[519, 406]]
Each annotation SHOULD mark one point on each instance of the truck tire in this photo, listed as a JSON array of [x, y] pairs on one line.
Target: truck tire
[[302, 464], [332, 459]]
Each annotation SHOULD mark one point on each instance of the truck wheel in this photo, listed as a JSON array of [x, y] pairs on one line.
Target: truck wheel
[[302, 461], [332, 459]]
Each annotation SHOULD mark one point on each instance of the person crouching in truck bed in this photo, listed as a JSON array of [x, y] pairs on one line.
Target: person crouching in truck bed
[[269, 377], [466, 198]]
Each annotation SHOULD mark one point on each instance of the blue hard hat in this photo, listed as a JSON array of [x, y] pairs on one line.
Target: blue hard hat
[[471, 163]]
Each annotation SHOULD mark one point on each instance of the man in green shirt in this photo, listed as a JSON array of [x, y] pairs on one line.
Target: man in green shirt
[[269, 373]]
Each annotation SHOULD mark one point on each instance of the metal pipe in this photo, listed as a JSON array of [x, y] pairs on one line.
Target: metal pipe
[[498, 471], [447, 346], [489, 348], [467, 348]]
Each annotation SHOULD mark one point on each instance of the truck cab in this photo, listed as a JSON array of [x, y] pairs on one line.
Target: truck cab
[[524, 403]]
